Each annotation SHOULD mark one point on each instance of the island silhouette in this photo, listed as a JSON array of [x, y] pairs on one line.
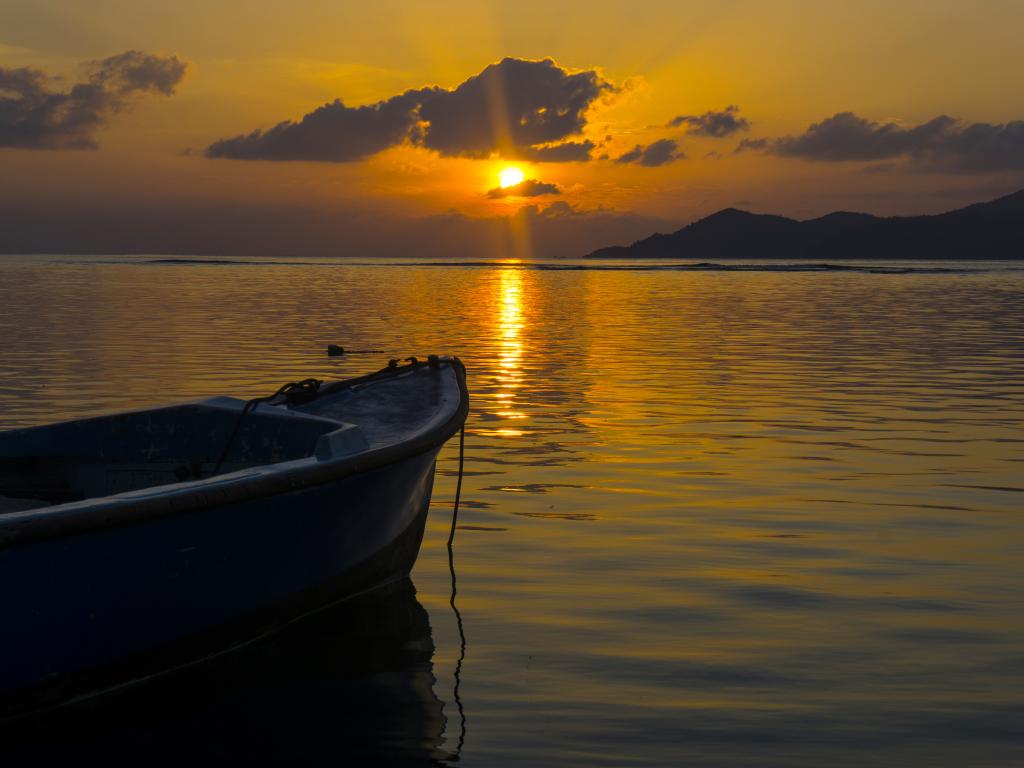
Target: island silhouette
[[990, 230]]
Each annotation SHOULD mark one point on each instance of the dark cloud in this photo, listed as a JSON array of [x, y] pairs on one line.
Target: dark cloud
[[333, 133], [528, 188], [511, 107], [660, 152], [567, 152], [515, 108], [717, 125], [32, 116], [134, 71], [845, 136], [980, 147], [941, 144], [751, 144]]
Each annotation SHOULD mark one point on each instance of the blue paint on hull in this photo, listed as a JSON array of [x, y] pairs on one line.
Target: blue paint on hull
[[100, 606]]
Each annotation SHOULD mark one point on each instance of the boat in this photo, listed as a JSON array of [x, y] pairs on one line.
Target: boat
[[134, 543]]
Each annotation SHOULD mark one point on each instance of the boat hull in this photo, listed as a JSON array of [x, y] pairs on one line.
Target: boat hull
[[114, 604]]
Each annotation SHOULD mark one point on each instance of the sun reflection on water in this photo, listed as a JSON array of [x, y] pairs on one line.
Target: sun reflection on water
[[509, 322]]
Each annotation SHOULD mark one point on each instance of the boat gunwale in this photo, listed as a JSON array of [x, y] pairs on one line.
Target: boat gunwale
[[116, 511]]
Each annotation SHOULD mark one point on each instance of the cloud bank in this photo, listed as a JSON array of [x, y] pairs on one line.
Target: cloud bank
[[527, 188], [716, 125], [941, 144], [270, 228], [516, 108], [660, 152], [34, 117]]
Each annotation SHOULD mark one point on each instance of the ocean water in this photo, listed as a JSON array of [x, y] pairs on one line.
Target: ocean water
[[712, 515]]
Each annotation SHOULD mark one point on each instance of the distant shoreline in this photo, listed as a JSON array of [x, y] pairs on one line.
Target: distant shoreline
[[989, 231], [863, 266]]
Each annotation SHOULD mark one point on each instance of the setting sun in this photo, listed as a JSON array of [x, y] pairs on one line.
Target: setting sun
[[509, 177]]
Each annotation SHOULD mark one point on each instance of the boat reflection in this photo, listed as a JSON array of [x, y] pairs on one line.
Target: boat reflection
[[352, 685]]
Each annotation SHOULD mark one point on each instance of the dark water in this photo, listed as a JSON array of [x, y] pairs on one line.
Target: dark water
[[731, 514], [351, 686]]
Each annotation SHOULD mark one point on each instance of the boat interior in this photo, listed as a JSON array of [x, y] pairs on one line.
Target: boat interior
[[97, 457]]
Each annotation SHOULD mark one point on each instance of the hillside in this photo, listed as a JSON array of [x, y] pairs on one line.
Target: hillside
[[991, 230]]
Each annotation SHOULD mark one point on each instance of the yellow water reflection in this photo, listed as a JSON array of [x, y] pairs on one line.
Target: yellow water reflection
[[509, 335]]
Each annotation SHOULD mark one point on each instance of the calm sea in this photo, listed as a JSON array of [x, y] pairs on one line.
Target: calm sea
[[750, 516]]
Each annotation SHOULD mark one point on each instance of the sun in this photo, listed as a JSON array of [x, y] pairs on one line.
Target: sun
[[509, 177]]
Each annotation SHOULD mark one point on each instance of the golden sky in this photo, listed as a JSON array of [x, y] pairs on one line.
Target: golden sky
[[784, 66]]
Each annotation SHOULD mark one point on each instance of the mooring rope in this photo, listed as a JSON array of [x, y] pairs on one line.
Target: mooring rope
[[308, 389], [294, 391], [455, 608]]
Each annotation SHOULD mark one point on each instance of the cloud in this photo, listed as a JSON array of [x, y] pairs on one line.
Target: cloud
[[717, 125], [527, 188], [134, 71], [751, 145], [516, 108], [333, 133], [845, 136], [660, 152], [567, 152], [34, 117], [941, 144], [511, 106]]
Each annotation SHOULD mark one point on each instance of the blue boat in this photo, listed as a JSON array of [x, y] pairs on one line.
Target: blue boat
[[134, 543]]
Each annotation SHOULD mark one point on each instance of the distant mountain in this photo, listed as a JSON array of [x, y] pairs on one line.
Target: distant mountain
[[992, 230]]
